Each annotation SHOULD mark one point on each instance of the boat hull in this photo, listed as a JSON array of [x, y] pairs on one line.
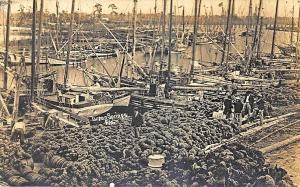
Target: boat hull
[[92, 111], [58, 62]]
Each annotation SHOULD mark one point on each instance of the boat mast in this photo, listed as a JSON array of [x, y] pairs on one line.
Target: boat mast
[[212, 18], [259, 37], [255, 41], [134, 28], [292, 30], [226, 32], [6, 44], [229, 33], [194, 38], [33, 64], [298, 27], [40, 36], [70, 38], [57, 24], [170, 43], [183, 20], [155, 21], [198, 16], [248, 26], [198, 26], [274, 29], [162, 53]]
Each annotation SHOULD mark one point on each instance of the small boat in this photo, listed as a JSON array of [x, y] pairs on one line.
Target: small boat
[[203, 41], [60, 62], [250, 33], [220, 38], [287, 50], [15, 59], [86, 105], [100, 52], [101, 55]]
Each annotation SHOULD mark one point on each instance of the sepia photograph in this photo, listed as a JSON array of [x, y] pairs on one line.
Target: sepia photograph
[[150, 93]]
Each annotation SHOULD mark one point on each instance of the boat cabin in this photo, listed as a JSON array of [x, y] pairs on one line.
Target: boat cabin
[[71, 99]]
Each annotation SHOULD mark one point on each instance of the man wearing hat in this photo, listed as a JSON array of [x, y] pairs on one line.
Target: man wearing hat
[[18, 131], [261, 107], [238, 107], [137, 121]]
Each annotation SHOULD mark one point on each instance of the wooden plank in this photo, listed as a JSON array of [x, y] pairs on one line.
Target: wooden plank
[[294, 123], [213, 147], [249, 125], [259, 128], [280, 144]]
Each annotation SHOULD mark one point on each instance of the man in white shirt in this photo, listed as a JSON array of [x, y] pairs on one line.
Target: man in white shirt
[[18, 131]]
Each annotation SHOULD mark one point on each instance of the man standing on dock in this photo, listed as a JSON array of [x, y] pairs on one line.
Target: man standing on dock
[[137, 121], [238, 107], [227, 106], [248, 103], [261, 107]]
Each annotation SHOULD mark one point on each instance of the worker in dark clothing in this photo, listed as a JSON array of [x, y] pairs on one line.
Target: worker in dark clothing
[[261, 107], [227, 106], [238, 107], [137, 122], [167, 91]]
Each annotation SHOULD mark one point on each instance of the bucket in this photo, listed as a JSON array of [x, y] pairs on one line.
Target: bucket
[[156, 161]]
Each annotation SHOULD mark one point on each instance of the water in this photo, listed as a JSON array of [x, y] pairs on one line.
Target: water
[[203, 53]]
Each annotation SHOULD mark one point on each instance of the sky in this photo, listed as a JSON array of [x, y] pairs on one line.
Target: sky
[[147, 6]]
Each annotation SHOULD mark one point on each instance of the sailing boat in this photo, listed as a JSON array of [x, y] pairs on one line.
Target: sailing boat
[[81, 103], [288, 50]]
